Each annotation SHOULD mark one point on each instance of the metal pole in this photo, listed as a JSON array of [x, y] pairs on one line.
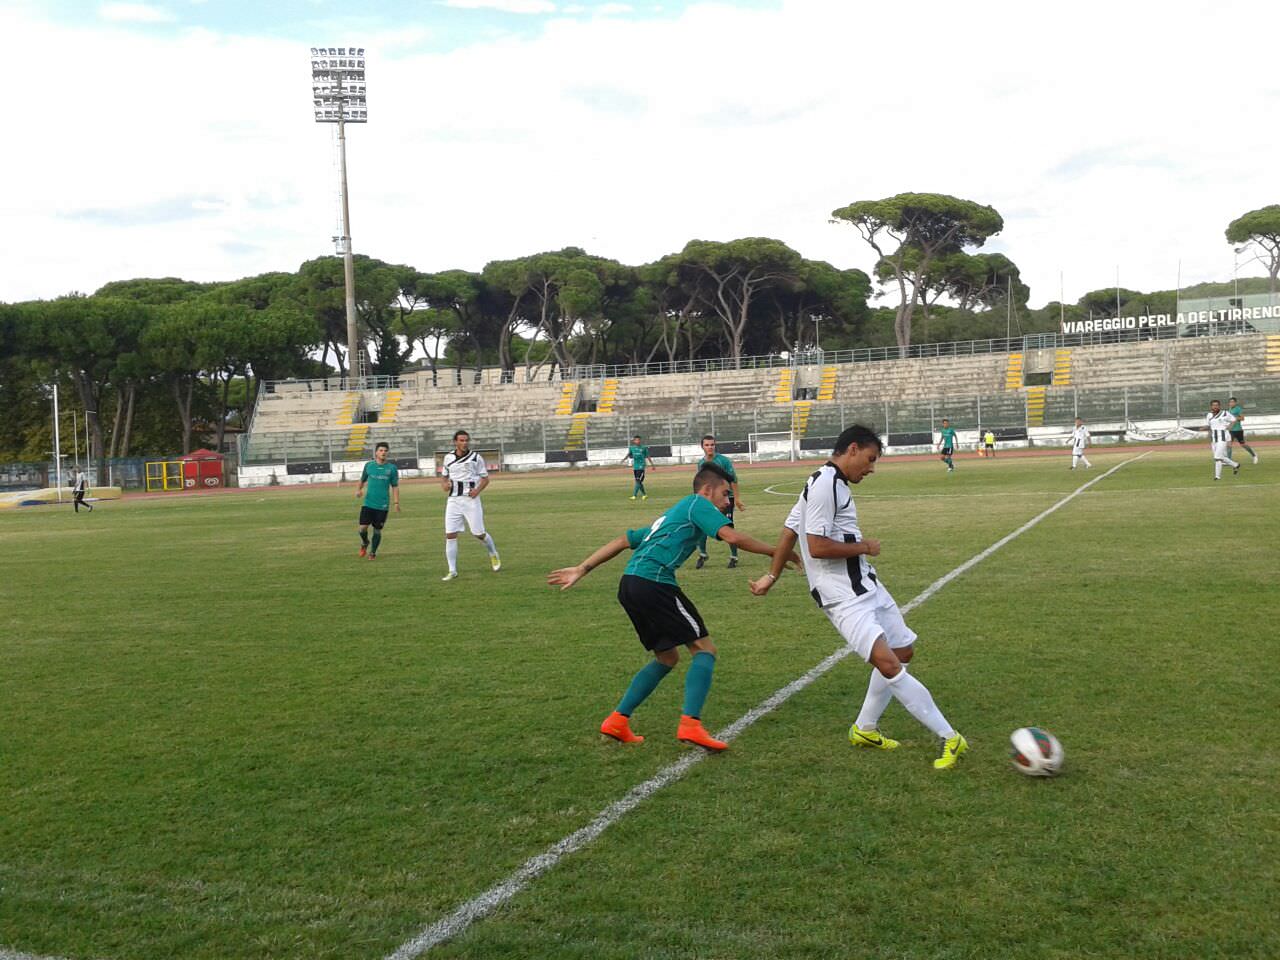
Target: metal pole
[[348, 263], [57, 446], [75, 436], [1126, 405]]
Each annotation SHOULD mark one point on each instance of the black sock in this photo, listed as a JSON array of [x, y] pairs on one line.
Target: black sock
[[377, 539], [364, 537]]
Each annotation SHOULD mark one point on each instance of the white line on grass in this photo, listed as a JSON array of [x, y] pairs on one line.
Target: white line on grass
[[14, 955], [480, 906]]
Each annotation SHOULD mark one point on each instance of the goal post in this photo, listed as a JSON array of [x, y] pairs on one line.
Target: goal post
[[779, 445]]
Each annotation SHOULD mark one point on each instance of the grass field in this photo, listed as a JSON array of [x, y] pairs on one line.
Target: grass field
[[223, 736]]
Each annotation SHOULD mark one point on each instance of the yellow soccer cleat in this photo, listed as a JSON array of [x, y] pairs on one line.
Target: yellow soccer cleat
[[952, 747], [495, 562], [870, 738]]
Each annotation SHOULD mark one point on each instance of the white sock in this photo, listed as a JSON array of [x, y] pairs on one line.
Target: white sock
[[451, 554], [877, 698], [1086, 461], [490, 545], [915, 696], [1231, 463], [1075, 460], [1217, 469]]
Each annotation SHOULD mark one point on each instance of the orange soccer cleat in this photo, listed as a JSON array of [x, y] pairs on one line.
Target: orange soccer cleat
[[363, 551], [692, 731], [618, 726]]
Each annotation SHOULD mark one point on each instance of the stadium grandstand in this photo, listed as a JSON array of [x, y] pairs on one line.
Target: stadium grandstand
[[1144, 384]]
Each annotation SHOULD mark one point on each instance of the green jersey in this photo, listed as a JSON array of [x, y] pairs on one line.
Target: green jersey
[[948, 435], [1238, 412], [639, 455], [661, 548], [723, 462], [380, 477]]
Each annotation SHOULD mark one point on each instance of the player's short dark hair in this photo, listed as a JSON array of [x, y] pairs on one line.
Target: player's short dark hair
[[859, 436], [380, 445], [636, 437], [1217, 401], [1233, 399], [710, 473], [945, 420], [710, 437], [461, 433]]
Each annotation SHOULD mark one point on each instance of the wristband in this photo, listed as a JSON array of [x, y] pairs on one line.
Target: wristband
[[772, 577]]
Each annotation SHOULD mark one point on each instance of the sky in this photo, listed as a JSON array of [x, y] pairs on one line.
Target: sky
[[176, 138]]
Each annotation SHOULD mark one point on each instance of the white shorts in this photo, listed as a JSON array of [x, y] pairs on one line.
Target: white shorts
[[1077, 451], [862, 620], [459, 509], [1222, 451]]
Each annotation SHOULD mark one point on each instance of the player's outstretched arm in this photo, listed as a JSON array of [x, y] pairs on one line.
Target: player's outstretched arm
[[782, 555], [748, 543], [566, 577]]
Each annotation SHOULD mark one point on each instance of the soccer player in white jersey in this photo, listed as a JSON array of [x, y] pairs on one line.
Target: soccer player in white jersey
[[844, 584], [1079, 441], [1218, 422], [463, 478]]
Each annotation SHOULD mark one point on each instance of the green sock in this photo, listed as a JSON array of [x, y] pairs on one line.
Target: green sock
[[642, 684], [364, 537], [637, 489], [697, 683], [377, 539]]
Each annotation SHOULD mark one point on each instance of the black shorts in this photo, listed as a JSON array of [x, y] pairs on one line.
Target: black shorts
[[1238, 435], [371, 517], [728, 511], [638, 474], [946, 451], [662, 615]]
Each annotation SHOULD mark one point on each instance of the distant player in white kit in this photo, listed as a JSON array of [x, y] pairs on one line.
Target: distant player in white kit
[[1079, 441], [1218, 422], [842, 581], [463, 478]]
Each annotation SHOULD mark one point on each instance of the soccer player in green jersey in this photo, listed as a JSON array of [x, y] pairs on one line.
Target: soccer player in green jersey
[[709, 455], [947, 444], [638, 454], [663, 617], [383, 481], [1237, 428]]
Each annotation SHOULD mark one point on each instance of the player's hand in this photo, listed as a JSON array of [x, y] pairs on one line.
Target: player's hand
[[565, 577], [357, 494], [397, 508], [738, 505], [473, 494], [871, 547], [761, 586]]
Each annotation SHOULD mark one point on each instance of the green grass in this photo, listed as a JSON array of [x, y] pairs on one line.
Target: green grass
[[223, 736]]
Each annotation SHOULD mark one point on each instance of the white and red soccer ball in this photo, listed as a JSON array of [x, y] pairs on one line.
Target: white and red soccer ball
[[1036, 752]]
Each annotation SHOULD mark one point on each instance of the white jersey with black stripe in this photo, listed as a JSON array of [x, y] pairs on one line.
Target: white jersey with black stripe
[[825, 509], [1219, 425], [464, 472], [1079, 438]]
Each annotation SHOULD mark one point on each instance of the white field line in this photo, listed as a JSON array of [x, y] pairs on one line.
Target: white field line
[[480, 906], [14, 955]]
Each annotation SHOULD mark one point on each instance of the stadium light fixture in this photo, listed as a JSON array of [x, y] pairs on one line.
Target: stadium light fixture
[[338, 96]]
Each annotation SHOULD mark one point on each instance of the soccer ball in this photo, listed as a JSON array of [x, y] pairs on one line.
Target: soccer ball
[[1036, 752]]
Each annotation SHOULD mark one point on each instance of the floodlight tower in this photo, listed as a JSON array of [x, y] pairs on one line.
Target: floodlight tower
[[337, 88]]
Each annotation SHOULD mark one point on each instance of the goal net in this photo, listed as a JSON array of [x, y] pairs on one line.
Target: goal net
[[781, 445]]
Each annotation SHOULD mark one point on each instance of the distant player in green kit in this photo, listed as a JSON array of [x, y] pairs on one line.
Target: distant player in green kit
[[664, 618], [1237, 428], [383, 481], [638, 454], [709, 456], [947, 444]]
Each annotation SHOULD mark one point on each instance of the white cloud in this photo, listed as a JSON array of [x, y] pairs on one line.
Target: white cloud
[[504, 6], [135, 13], [630, 137]]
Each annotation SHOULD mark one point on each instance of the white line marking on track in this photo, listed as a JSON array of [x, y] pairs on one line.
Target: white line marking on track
[[484, 904]]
